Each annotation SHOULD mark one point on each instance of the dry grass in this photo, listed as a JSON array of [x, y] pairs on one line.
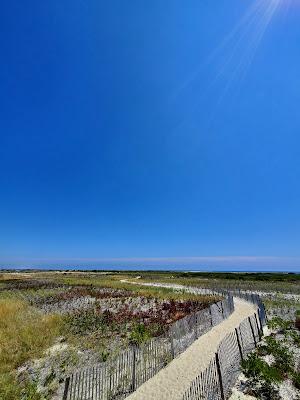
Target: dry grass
[[24, 334]]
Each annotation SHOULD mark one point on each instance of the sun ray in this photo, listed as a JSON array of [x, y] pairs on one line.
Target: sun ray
[[239, 48]]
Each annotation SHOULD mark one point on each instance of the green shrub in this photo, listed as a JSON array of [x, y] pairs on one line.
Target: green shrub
[[295, 337], [259, 371], [284, 360], [297, 322], [85, 321], [296, 379], [279, 323], [139, 334]]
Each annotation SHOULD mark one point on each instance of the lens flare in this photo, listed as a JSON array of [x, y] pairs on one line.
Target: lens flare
[[232, 57]]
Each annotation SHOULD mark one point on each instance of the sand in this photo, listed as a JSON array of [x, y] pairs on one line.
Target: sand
[[171, 382]]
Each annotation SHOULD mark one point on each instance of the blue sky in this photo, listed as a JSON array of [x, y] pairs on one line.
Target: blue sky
[[150, 130]]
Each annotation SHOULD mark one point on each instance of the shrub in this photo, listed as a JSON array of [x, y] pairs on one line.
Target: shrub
[[284, 360], [139, 334], [262, 377], [295, 337], [85, 321], [259, 371], [296, 379], [297, 322], [279, 323]]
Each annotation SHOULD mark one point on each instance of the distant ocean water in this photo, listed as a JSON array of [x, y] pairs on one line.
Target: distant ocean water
[[176, 268]]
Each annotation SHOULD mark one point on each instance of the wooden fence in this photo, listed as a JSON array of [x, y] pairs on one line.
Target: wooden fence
[[117, 378], [216, 381]]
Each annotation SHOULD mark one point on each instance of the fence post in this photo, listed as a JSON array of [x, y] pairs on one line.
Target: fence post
[[258, 328], [260, 321], [222, 309], [172, 343], [265, 314], [67, 383], [195, 322], [239, 343], [252, 330], [220, 377], [133, 367], [210, 313]]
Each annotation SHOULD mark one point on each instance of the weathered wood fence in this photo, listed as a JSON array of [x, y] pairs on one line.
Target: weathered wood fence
[[216, 381], [117, 378]]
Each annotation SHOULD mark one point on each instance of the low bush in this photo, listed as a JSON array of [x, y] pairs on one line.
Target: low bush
[[280, 324], [139, 334], [85, 321], [262, 377], [296, 380], [295, 336], [284, 360], [257, 370]]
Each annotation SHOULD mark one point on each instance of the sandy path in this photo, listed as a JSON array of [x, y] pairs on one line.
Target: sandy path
[[171, 382]]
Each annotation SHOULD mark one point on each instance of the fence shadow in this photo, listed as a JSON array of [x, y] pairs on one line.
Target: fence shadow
[[117, 378]]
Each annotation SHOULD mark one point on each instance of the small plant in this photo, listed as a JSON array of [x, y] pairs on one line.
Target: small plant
[[104, 355], [85, 321], [296, 380], [284, 360], [30, 392], [258, 370], [139, 334], [295, 337], [280, 324], [262, 377]]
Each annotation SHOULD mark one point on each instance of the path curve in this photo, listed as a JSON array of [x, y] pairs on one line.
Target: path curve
[[171, 382]]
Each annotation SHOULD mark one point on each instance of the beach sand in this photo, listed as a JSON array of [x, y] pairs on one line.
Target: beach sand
[[171, 382]]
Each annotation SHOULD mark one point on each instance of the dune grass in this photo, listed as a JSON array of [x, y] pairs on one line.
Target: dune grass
[[24, 335]]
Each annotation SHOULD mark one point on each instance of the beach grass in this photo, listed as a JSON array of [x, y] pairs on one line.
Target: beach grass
[[24, 334]]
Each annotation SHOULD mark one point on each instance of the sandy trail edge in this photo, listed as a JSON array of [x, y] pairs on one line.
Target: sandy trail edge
[[171, 382]]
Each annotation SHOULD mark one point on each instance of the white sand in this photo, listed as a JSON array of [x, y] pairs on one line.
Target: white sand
[[171, 382], [236, 395]]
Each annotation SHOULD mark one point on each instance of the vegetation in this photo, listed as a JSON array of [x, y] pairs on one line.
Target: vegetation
[[280, 324], [95, 315], [261, 377], [297, 324], [265, 375], [258, 370], [296, 380], [99, 312], [140, 334], [24, 334]]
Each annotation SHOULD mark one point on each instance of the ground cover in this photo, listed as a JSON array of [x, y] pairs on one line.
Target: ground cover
[[51, 325], [63, 320], [272, 372]]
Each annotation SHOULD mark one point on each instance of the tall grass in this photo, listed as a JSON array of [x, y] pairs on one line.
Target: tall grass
[[24, 334]]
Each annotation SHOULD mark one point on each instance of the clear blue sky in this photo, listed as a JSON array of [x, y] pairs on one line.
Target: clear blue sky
[[149, 129]]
